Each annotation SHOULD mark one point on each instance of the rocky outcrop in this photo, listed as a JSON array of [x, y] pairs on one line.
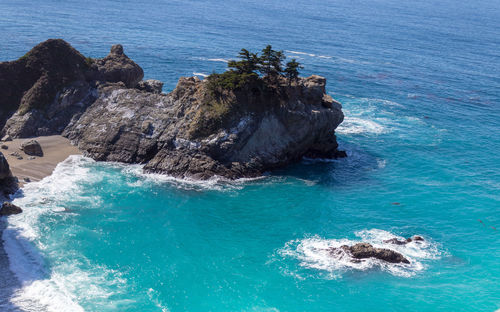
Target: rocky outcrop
[[117, 67], [195, 131], [32, 148], [192, 134], [364, 250], [8, 209], [43, 90], [8, 183], [151, 85]]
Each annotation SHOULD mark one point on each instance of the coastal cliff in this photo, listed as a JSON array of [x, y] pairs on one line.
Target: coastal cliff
[[195, 131]]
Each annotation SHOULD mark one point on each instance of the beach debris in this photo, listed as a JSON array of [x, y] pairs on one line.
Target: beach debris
[[396, 241], [9, 209], [31, 157], [362, 251], [32, 147], [17, 155], [6, 138]]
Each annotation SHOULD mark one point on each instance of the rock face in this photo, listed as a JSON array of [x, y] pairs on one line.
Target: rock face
[[8, 183], [32, 147], [8, 209], [193, 132], [117, 67], [151, 85], [43, 90], [258, 129], [365, 250]]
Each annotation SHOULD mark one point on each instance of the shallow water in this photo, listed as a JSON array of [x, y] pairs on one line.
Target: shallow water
[[420, 89]]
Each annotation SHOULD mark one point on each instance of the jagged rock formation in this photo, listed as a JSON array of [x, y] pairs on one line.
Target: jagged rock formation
[[193, 132], [364, 250], [8, 183], [8, 209]]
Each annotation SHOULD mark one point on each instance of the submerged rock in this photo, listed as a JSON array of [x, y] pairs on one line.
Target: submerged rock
[[396, 241], [32, 147], [8, 209], [364, 250]]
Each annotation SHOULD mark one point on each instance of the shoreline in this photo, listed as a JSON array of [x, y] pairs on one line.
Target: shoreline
[[56, 149]]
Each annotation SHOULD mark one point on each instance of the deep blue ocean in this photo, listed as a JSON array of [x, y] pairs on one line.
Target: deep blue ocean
[[420, 86]]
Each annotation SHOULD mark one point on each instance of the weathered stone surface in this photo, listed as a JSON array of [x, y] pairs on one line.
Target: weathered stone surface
[[32, 147], [6, 138], [364, 250], [151, 85], [192, 132], [266, 129], [118, 67], [8, 183], [8, 209]]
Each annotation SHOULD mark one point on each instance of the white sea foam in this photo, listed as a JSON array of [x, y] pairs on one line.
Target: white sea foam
[[200, 74], [66, 283], [356, 125], [314, 253]]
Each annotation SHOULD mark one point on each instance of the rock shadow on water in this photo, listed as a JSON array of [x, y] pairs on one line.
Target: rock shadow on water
[[355, 169]]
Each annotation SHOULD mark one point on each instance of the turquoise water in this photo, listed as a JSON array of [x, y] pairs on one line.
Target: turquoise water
[[420, 87]]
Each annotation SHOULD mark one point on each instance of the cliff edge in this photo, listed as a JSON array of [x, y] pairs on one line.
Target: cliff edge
[[196, 131]]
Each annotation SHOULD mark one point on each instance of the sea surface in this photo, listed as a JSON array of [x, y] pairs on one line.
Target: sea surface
[[420, 86]]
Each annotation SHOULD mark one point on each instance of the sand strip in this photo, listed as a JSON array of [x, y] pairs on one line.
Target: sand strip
[[55, 149]]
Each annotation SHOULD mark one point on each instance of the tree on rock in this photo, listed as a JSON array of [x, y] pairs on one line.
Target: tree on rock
[[292, 70], [270, 62], [249, 62]]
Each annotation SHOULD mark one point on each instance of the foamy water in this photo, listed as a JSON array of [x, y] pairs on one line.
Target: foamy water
[[315, 253]]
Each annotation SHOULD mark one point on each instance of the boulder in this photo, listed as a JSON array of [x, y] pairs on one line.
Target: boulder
[[364, 250], [9, 209], [32, 147], [151, 85], [117, 67]]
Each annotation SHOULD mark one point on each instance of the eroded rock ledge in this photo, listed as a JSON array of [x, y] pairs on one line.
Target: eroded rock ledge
[[103, 106]]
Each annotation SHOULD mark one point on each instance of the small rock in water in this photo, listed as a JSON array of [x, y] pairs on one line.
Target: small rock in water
[[26, 179], [9, 209], [32, 147], [396, 241]]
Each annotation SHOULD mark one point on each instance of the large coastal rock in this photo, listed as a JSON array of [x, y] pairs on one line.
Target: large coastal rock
[[364, 250], [190, 134], [194, 131], [8, 209]]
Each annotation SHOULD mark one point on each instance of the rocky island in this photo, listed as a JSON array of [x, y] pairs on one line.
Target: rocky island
[[203, 128]]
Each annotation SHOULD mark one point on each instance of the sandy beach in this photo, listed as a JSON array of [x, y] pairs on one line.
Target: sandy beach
[[55, 149]]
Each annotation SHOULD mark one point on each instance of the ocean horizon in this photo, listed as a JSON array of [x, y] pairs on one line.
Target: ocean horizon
[[419, 84]]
